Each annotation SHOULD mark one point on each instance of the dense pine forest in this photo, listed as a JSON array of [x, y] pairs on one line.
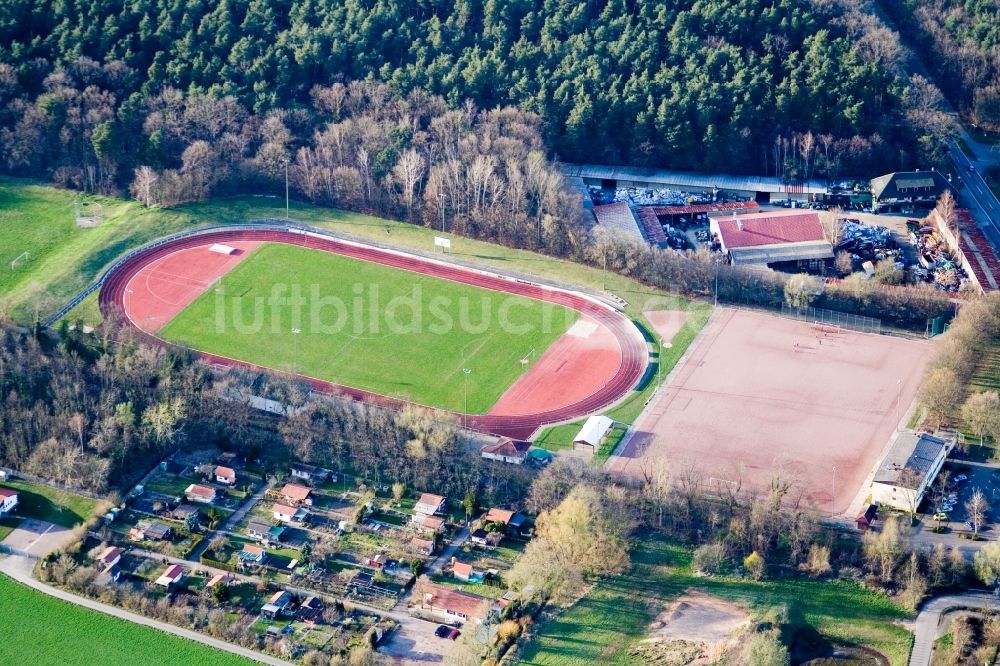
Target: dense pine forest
[[91, 90], [960, 42]]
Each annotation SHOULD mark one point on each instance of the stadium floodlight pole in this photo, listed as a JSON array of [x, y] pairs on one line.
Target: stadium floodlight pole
[[465, 414], [295, 348], [659, 362], [441, 206]]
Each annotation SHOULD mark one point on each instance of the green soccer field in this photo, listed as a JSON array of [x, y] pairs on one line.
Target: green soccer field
[[370, 326]]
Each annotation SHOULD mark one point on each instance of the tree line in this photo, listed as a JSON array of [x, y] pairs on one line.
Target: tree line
[[96, 414], [794, 87]]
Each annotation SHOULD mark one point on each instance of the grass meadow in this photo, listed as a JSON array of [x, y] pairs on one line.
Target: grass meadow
[[604, 625], [45, 631], [394, 332], [43, 502]]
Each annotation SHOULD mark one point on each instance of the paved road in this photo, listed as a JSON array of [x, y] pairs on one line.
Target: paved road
[[977, 195], [19, 568], [929, 621]]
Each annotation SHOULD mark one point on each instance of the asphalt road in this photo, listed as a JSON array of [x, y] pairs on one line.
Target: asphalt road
[[928, 623], [976, 195]]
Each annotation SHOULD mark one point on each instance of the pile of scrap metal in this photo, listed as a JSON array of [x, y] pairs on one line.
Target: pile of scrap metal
[[866, 242], [938, 266]]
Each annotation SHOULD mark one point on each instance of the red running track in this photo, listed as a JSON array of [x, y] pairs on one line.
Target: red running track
[[634, 356]]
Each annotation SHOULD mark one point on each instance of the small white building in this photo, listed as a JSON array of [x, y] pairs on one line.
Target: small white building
[[592, 433], [8, 500], [909, 468], [429, 504], [172, 575]]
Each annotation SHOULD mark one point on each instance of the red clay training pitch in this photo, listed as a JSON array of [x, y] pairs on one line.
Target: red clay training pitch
[[760, 395], [589, 368]]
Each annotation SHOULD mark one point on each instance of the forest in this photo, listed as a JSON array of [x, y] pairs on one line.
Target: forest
[[960, 42], [90, 89]]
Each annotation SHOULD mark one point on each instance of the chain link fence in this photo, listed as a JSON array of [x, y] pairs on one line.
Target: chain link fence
[[825, 317]]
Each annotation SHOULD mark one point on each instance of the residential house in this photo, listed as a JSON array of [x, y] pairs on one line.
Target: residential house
[[484, 538], [109, 557], [310, 473], [171, 576], [462, 571], [429, 504], [225, 475], [377, 561], [110, 574], [219, 579], [311, 610], [289, 514], [428, 524], [252, 554], [296, 495], [422, 546], [279, 604], [199, 493], [8, 500], [507, 450], [512, 521], [453, 604], [156, 532], [183, 511], [258, 530]]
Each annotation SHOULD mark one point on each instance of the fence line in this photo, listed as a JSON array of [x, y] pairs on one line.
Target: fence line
[[279, 224], [846, 320]]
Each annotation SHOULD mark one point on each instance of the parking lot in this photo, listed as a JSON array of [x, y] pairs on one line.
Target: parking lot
[[963, 479]]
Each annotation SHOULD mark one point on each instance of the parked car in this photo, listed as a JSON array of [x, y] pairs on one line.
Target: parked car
[[940, 515], [442, 631], [454, 633], [971, 525]]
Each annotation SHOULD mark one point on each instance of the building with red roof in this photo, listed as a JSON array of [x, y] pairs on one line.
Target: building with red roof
[[781, 239]]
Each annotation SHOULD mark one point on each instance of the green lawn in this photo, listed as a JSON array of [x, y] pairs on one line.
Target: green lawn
[[370, 326], [50, 504], [45, 631], [603, 626], [561, 436]]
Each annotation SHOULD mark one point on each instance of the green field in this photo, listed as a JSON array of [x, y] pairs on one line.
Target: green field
[[45, 631], [43, 502], [371, 327], [610, 619]]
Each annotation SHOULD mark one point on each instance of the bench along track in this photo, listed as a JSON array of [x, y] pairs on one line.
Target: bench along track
[[634, 350]]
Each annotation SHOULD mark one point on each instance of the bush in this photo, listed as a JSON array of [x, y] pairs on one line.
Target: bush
[[755, 565], [766, 650], [708, 559]]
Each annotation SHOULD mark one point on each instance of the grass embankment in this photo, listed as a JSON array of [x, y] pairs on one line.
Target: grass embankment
[[986, 378], [51, 504], [45, 631], [604, 625], [371, 327], [561, 436], [72, 263]]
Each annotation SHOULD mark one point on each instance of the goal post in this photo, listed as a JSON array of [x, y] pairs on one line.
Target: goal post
[[19, 261]]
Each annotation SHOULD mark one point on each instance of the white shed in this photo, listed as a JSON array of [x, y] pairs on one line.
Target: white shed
[[592, 432]]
